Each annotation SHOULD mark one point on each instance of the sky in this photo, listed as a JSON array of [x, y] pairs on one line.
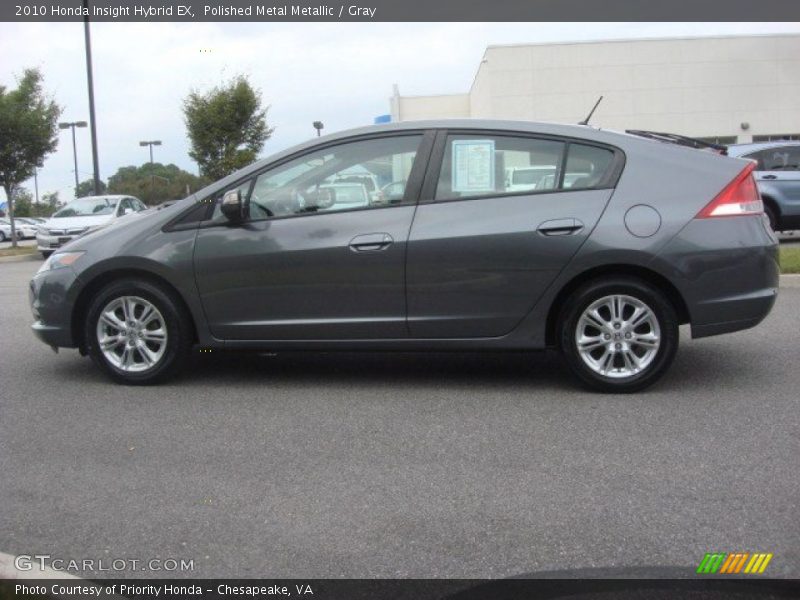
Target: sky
[[339, 73]]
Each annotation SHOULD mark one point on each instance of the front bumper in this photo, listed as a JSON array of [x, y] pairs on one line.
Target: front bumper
[[52, 295], [48, 243]]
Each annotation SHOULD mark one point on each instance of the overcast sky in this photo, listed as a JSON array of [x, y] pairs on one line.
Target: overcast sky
[[339, 73]]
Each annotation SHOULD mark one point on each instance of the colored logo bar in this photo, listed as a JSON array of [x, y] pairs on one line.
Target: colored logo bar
[[734, 563]]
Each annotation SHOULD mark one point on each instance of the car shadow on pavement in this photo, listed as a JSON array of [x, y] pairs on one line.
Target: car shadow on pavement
[[697, 367]]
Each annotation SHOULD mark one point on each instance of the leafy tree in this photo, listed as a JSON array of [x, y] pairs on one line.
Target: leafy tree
[[52, 201], [86, 188], [23, 202], [154, 184], [29, 126], [227, 127]]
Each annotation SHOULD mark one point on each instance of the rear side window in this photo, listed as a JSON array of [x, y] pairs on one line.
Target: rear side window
[[480, 166]]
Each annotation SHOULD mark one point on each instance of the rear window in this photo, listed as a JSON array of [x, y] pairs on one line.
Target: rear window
[[482, 166]]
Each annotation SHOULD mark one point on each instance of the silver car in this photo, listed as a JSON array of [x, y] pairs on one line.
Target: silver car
[[778, 176], [629, 239]]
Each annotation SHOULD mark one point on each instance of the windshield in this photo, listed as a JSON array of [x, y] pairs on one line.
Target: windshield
[[87, 207]]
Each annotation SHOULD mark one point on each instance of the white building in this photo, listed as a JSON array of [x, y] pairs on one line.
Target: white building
[[737, 88]]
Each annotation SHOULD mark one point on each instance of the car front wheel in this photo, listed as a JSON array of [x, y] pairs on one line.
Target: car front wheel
[[137, 333], [618, 335]]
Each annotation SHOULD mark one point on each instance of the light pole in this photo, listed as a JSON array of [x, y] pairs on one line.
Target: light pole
[[151, 143], [90, 84], [319, 126], [72, 126]]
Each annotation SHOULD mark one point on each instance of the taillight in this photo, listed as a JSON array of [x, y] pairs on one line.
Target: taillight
[[739, 197]]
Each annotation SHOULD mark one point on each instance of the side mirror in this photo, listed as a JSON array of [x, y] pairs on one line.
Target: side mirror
[[232, 206], [127, 211]]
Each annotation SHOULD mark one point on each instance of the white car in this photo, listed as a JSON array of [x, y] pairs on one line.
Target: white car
[[81, 215], [25, 231], [5, 231]]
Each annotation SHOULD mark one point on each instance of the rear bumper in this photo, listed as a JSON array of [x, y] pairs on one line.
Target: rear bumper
[[727, 272]]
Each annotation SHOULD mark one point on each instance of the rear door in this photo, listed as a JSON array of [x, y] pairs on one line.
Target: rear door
[[484, 246]]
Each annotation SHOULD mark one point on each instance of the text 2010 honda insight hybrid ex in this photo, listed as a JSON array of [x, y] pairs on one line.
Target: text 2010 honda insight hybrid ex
[[436, 235]]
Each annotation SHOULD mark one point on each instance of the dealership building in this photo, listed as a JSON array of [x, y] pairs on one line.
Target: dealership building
[[726, 89]]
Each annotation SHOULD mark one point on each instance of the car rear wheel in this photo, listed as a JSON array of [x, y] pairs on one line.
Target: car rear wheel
[[2, 237], [773, 222], [618, 335], [137, 333]]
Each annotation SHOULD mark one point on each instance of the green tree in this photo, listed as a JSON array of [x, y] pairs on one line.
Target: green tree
[[227, 127], [86, 188], [154, 184], [23, 202], [29, 126], [52, 202]]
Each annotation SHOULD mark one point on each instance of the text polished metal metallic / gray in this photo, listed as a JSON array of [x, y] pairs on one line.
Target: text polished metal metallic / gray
[[430, 235]]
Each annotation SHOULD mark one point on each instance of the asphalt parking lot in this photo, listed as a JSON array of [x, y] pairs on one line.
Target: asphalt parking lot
[[400, 465]]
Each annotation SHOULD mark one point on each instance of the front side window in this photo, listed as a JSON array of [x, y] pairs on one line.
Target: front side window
[[354, 175]]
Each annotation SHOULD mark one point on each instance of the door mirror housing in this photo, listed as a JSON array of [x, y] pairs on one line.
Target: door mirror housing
[[232, 206]]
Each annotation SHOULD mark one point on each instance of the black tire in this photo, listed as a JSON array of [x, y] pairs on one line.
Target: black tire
[[773, 221], [653, 298], [46, 253], [2, 237], [178, 327]]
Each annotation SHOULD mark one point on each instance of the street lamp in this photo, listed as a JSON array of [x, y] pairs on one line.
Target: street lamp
[[72, 126], [319, 126], [151, 143]]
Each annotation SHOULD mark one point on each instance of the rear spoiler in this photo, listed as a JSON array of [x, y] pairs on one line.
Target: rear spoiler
[[681, 140]]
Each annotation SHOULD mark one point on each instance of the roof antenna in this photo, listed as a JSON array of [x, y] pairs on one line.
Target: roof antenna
[[591, 112]]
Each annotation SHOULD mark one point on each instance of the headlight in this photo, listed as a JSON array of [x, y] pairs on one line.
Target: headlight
[[59, 261], [41, 230]]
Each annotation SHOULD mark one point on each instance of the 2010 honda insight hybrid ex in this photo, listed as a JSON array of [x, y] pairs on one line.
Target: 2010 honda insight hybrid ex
[[434, 235]]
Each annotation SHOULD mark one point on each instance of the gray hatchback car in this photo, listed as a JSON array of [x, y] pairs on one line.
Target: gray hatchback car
[[616, 242]]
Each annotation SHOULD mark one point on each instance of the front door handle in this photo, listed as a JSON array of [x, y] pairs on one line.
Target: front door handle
[[371, 242], [560, 227], [769, 177]]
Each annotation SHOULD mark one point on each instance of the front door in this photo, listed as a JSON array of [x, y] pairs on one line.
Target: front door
[[322, 255]]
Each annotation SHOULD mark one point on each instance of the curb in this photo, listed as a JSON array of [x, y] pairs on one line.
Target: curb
[[791, 280], [21, 257]]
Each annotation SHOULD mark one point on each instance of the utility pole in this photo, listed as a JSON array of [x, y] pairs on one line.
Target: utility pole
[[72, 125], [90, 83], [151, 143]]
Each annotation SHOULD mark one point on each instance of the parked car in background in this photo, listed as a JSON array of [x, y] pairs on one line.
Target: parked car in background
[[25, 230], [5, 231], [34, 221], [778, 178], [79, 216], [279, 256]]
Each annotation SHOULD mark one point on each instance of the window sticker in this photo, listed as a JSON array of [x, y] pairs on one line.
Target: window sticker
[[473, 166]]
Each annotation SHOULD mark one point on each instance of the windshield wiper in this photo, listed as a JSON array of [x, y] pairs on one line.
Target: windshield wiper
[[681, 140]]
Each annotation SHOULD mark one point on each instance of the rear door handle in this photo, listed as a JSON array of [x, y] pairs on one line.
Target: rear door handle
[[769, 177], [371, 242], [560, 227]]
